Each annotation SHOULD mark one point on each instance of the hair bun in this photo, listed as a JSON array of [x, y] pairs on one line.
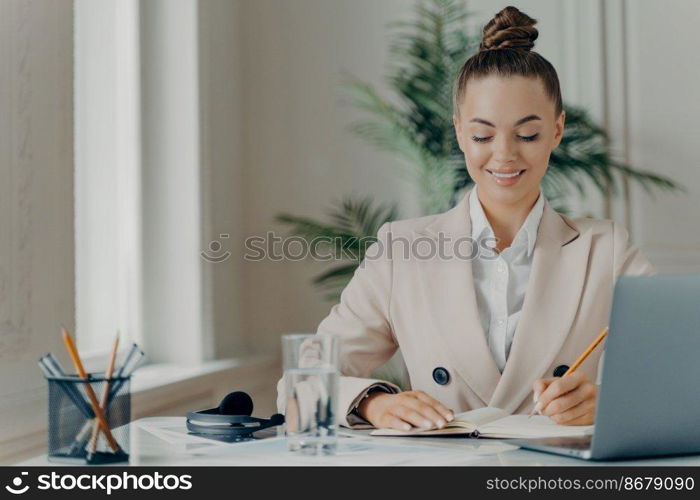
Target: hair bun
[[509, 29]]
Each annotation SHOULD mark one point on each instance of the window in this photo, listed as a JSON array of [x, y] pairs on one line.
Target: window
[[139, 221], [107, 174]]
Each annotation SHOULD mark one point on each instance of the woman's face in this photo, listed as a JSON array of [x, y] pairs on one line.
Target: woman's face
[[507, 130]]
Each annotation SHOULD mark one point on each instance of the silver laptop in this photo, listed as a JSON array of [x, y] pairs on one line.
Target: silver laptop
[[649, 402]]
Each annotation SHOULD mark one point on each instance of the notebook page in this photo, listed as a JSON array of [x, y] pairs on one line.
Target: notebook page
[[463, 423], [520, 426], [464, 429], [481, 416]]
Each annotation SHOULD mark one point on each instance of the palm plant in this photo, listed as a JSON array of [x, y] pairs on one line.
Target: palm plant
[[416, 127], [351, 229]]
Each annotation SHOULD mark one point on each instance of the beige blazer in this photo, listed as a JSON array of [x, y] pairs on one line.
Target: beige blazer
[[427, 307]]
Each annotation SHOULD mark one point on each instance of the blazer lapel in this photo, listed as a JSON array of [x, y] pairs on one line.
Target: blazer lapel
[[452, 299], [559, 268]]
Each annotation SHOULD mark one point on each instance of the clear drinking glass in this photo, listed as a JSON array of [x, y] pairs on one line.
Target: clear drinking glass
[[311, 388]]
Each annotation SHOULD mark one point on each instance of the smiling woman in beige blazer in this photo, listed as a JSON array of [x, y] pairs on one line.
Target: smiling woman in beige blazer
[[423, 288]]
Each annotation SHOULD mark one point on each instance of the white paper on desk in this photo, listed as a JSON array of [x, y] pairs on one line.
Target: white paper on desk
[[172, 431], [351, 451]]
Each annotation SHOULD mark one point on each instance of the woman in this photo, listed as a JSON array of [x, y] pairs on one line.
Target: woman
[[491, 327]]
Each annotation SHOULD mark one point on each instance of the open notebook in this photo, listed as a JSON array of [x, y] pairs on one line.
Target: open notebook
[[496, 423]]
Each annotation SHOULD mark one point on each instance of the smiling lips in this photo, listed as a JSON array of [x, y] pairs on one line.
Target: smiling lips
[[506, 178]]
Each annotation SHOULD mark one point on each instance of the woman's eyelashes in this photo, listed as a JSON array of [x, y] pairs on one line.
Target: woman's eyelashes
[[528, 138]]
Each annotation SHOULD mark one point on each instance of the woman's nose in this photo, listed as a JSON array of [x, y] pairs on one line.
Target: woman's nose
[[504, 150]]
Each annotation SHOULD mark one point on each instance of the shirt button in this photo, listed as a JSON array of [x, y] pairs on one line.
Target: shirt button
[[500, 268], [500, 321]]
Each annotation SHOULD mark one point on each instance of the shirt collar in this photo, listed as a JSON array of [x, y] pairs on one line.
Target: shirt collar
[[527, 232]]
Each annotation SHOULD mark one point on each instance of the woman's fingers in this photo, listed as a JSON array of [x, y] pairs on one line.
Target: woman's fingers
[[392, 422], [581, 414], [428, 412], [413, 417], [540, 386], [396, 411], [559, 387], [569, 400], [446, 413], [429, 415]]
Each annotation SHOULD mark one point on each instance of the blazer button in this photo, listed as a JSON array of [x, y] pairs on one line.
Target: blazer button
[[560, 370], [441, 375]]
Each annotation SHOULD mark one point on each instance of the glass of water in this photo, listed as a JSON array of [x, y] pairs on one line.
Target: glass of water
[[311, 391]]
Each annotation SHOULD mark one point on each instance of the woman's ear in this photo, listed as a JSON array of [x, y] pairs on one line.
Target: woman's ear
[[458, 131], [559, 129]]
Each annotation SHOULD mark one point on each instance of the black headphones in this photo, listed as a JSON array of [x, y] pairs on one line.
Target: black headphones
[[231, 420]]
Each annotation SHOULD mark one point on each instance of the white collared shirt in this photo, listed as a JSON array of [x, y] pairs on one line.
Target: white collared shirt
[[500, 280]]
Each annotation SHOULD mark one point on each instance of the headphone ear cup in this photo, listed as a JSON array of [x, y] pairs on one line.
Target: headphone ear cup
[[236, 403], [231, 420]]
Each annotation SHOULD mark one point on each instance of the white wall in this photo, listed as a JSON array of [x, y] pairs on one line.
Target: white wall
[[299, 157], [661, 42], [36, 208], [222, 124]]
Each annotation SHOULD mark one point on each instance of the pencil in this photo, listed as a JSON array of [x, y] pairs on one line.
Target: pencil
[[105, 394], [582, 357], [99, 415]]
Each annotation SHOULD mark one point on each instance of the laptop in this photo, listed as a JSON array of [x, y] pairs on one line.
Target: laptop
[[648, 402]]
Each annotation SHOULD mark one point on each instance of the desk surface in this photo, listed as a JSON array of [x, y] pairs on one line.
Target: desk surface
[[164, 441]]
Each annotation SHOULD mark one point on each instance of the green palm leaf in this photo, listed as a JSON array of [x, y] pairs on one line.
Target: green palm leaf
[[350, 230]]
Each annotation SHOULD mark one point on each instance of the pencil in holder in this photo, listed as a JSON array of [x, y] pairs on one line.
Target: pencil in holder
[[75, 432]]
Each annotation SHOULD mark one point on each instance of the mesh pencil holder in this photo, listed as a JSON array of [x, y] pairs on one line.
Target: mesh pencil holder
[[72, 422]]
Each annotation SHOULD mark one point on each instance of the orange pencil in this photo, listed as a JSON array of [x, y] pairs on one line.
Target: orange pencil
[[582, 357], [99, 415], [105, 394]]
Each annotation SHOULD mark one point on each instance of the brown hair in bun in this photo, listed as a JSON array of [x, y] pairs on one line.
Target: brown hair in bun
[[505, 50]]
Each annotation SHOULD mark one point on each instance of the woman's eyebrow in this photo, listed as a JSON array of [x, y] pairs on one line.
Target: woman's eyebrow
[[519, 122]]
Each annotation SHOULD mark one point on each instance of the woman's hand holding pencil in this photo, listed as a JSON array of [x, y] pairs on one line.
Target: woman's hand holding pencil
[[570, 399], [567, 400]]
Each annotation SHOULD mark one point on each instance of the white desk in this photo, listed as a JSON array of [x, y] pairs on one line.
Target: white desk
[[163, 441]]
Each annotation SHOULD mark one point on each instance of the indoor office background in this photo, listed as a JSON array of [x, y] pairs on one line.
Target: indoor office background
[[138, 137]]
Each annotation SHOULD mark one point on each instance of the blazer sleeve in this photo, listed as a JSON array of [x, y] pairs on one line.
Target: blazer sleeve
[[362, 322]]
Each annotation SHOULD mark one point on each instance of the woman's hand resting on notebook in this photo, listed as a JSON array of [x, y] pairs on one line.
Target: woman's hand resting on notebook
[[568, 400], [404, 410]]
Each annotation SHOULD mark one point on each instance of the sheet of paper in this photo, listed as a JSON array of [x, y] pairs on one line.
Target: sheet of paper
[[171, 431], [351, 452]]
